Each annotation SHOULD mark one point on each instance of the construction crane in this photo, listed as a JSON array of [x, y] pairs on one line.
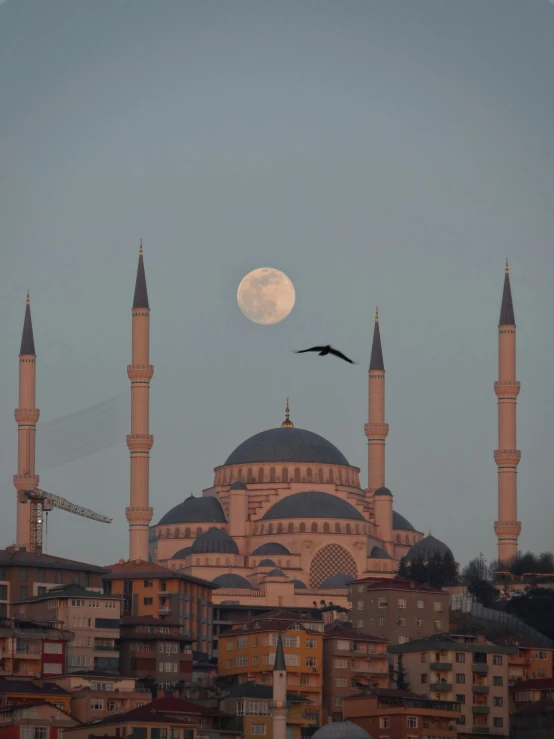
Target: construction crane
[[42, 503]]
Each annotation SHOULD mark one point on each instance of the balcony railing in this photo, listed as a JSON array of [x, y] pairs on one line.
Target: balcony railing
[[441, 687], [480, 688], [439, 666], [164, 610], [105, 648], [479, 667], [476, 708], [477, 729]]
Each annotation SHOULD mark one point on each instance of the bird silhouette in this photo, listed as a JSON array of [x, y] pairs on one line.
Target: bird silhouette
[[323, 351]]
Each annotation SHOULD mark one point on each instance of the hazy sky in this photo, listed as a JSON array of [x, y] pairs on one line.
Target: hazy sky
[[387, 153]]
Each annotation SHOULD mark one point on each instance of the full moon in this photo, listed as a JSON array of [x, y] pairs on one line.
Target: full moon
[[266, 295]]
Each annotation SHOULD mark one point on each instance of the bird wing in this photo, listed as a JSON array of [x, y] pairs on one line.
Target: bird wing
[[312, 349], [341, 356]]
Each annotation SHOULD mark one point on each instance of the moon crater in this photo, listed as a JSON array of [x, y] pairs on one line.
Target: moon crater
[[266, 295]]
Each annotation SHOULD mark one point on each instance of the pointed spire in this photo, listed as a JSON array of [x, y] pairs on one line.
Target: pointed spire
[[376, 361], [27, 339], [287, 423], [507, 317], [141, 293], [280, 664]]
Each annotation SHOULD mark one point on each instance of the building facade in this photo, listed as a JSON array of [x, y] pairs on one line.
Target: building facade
[[32, 648], [96, 695], [398, 610], [466, 669]]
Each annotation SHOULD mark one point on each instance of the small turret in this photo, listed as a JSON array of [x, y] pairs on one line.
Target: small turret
[[507, 316], [27, 338], [376, 361]]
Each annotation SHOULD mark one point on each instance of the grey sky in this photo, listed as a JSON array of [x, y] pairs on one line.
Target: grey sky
[[386, 153]]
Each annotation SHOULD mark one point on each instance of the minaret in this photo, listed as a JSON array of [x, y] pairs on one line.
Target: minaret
[[376, 429], [26, 416], [507, 457], [279, 707], [140, 441]]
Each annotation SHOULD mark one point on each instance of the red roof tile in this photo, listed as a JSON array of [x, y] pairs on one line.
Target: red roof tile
[[339, 631], [154, 711]]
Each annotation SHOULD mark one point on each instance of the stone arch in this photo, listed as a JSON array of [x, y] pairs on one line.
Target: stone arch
[[197, 561], [239, 474], [297, 474], [228, 561], [337, 528], [290, 528], [270, 528], [340, 477], [356, 529], [187, 533], [331, 476], [250, 475], [279, 528], [348, 528], [260, 474], [167, 533], [272, 474], [309, 474], [331, 560], [320, 475], [217, 560], [326, 528], [199, 531], [285, 474], [314, 527], [302, 528]]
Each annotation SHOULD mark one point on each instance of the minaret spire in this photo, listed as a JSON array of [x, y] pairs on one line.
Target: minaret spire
[[140, 441], [26, 416], [507, 456], [279, 707], [376, 431]]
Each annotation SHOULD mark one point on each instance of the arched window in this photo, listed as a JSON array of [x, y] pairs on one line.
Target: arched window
[[187, 533], [239, 474], [285, 474], [249, 475], [356, 529], [217, 560], [320, 475], [260, 474], [205, 560], [167, 533], [337, 528], [325, 528], [348, 528], [309, 474], [262, 529], [279, 528], [398, 539], [270, 528], [340, 477], [197, 561], [314, 527], [290, 528], [279, 563], [228, 561], [297, 474], [331, 476], [288, 562], [407, 539], [302, 528], [272, 474], [198, 531]]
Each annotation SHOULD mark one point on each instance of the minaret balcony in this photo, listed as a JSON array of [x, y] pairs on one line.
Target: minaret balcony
[[507, 457], [507, 529], [140, 372], [138, 515], [25, 482], [507, 389], [140, 442], [26, 416], [377, 431]]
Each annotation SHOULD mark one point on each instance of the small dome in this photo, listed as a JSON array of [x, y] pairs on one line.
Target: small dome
[[267, 563], [182, 553], [276, 573], [298, 584], [341, 730], [399, 523], [379, 553], [383, 491], [195, 510], [426, 548], [340, 580], [313, 504], [232, 580], [237, 485], [214, 541], [287, 445], [272, 547]]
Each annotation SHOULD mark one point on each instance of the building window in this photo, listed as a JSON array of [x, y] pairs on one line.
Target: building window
[[524, 695], [33, 732], [253, 708], [437, 607], [498, 701], [424, 677], [384, 722], [291, 640], [230, 646], [148, 584], [460, 678], [341, 664], [496, 659], [498, 681], [292, 660], [341, 682], [401, 622], [58, 577], [229, 664], [242, 660], [423, 657], [460, 698], [97, 704], [402, 639], [402, 603], [360, 605], [360, 624], [258, 729], [438, 625], [311, 644], [460, 657], [3, 592], [311, 662], [497, 722], [23, 574], [53, 648], [53, 668], [412, 722], [420, 622], [343, 646], [255, 641], [158, 733], [255, 661], [360, 588], [242, 642], [23, 591], [41, 575], [304, 679], [382, 603], [420, 604], [382, 621]]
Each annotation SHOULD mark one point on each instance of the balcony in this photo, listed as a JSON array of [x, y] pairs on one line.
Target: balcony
[[31, 653], [480, 688], [105, 648], [441, 687], [440, 666], [479, 667], [483, 710], [164, 593], [164, 610], [477, 729]]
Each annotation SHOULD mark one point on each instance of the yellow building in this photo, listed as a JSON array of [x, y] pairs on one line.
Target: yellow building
[[247, 654]]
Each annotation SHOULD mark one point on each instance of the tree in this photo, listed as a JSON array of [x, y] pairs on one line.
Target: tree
[[477, 578], [399, 675], [536, 608], [418, 570], [435, 572], [450, 569], [404, 568]]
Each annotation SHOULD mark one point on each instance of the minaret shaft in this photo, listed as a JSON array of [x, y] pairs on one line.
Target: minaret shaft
[[140, 441], [507, 456]]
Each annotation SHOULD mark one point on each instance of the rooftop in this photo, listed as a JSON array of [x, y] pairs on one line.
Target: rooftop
[[543, 683], [68, 591], [129, 569], [154, 711], [23, 558], [261, 692], [30, 687], [447, 642], [336, 630], [382, 583]]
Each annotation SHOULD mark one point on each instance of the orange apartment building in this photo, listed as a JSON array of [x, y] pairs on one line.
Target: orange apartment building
[[148, 589], [34, 721], [531, 662], [32, 649], [352, 661], [399, 714], [92, 616], [95, 696], [247, 654], [20, 691]]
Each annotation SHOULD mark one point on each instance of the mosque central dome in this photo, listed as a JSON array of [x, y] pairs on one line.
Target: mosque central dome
[[286, 444]]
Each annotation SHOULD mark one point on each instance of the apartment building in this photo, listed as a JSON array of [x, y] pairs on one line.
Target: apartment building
[[32, 648], [96, 695], [22, 691], [24, 574], [157, 650], [400, 714], [398, 610], [149, 589], [526, 692], [34, 721], [531, 662], [352, 661], [92, 616], [465, 669], [247, 654]]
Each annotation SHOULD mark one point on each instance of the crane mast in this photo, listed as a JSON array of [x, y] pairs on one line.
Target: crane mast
[[42, 502]]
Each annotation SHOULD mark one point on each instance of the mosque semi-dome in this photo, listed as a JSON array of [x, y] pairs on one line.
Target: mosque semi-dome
[[272, 547], [267, 563], [313, 504], [232, 580], [182, 553], [298, 584], [379, 553], [195, 510], [340, 580], [341, 730], [383, 491], [276, 573], [399, 523], [214, 541], [427, 547], [286, 445]]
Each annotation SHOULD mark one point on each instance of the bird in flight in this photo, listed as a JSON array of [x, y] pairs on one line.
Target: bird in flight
[[323, 351]]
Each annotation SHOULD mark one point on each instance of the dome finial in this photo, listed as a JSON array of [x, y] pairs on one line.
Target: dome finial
[[287, 423], [507, 267], [377, 314], [140, 249], [28, 299]]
